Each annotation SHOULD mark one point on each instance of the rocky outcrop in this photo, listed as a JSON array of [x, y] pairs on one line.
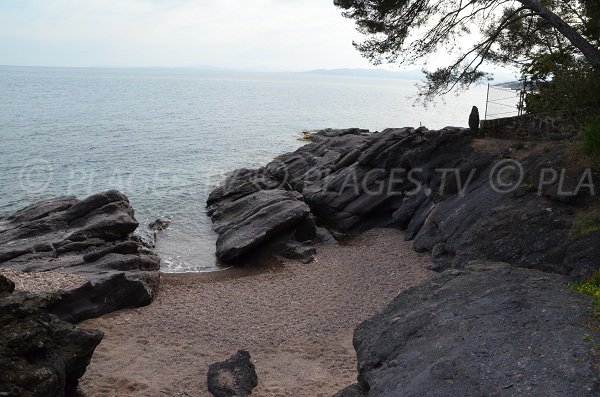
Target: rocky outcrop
[[489, 330], [446, 188], [40, 355], [234, 377], [90, 238]]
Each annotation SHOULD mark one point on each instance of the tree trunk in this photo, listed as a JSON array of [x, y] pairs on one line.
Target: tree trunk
[[591, 53]]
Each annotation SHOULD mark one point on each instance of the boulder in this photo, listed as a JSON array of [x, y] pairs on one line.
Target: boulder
[[91, 238], [246, 223], [40, 355], [260, 212], [489, 330], [159, 225], [234, 377]]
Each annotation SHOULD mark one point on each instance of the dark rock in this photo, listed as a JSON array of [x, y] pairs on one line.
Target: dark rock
[[126, 247], [107, 292], [159, 225], [352, 391], [147, 238], [306, 230], [334, 133], [403, 215], [347, 160], [520, 230], [295, 250], [353, 181], [439, 250], [252, 220], [91, 238], [324, 236], [583, 255], [419, 218], [235, 377], [144, 238], [6, 287], [474, 120], [491, 330], [40, 355], [240, 184], [440, 258], [440, 264]]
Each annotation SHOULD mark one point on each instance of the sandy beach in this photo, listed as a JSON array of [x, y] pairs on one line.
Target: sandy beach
[[296, 320]]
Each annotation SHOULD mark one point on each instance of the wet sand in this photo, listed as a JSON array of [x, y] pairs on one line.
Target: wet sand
[[295, 320]]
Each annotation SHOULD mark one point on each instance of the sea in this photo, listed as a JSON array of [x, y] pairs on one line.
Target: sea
[[167, 137]]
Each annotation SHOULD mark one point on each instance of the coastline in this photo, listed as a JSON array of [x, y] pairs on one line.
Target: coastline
[[303, 318], [296, 320]]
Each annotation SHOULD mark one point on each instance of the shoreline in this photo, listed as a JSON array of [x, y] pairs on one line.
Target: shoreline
[[296, 320]]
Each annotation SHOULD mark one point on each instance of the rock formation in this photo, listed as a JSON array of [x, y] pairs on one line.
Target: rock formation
[[234, 377], [474, 120], [436, 185], [488, 330], [90, 238], [40, 355]]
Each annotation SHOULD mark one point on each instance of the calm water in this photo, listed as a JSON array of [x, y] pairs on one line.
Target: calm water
[[166, 137]]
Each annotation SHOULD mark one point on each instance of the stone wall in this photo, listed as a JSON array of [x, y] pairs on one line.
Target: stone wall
[[533, 127]]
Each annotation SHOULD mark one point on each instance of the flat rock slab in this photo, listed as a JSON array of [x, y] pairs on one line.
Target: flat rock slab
[[89, 238], [493, 330]]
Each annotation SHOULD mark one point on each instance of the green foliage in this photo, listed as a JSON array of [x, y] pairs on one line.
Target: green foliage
[[591, 137], [563, 81], [585, 223], [588, 338], [529, 187], [563, 85], [512, 33], [592, 24], [590, 287], [529, 37]]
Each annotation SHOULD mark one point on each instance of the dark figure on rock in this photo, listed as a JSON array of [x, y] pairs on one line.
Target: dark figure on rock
[[474, 120]]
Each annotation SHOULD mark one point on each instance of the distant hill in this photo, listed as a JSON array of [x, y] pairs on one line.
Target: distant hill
[[372, 73]]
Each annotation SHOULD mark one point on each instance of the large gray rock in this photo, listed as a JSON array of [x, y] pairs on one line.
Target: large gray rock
[[234, 377], [90, 238], [492, 330], [250, 198], [40, 355], [246, 223]]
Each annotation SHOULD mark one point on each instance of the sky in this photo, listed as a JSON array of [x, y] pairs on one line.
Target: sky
[[270, 35]]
